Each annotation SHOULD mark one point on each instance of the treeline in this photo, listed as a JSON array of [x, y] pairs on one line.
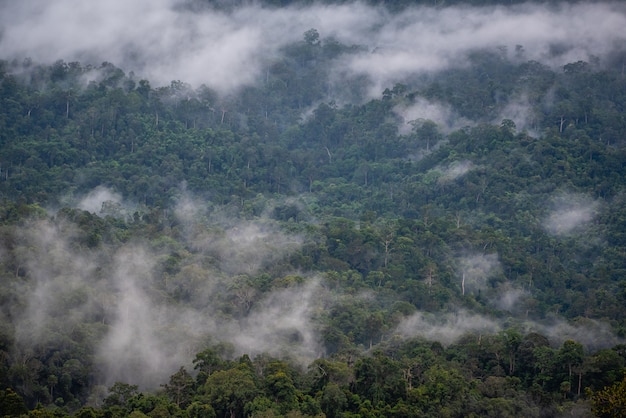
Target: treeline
[[383, 210], [504, 375]]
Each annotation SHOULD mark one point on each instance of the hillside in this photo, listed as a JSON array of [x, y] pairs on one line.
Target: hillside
[[342, 231]]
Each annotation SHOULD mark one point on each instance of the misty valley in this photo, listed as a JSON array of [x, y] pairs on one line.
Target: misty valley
[[312, 209]]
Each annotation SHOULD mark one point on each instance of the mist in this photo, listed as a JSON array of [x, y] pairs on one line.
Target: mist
[[440, 113], [145, 333], [450, 327], [148, 323], [96, 200], [162, 40], [446, 328], [570, 214]]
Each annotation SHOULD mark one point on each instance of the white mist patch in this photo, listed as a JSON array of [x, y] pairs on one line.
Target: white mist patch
[[508, 298], [246, 246], [476, 269], [56, 293], [96, 201], [592, 334], [189, 210], [251, 245], [282, 325], [519, 110], [441, 114], [428, 39], [446, 328], [131, 351], [162, 40], [456, 170], [569, 214], [147, 338]]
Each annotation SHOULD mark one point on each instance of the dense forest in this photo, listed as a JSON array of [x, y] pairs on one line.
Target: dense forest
[[453, 245]]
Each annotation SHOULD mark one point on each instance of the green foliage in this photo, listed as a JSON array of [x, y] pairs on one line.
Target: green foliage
[[11, 404], [385, 212], [610, 401], [228, 391]]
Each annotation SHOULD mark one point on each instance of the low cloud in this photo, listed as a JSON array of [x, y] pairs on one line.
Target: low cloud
[[100, 201], [283, 324], [162, 41], [476, 269], [145, 324], [456, 170], [440, 113], [446, 328], [509, 298], [593, 335], [520, 111], [247, 246], [450, 327], [56, 280], [570, 214]]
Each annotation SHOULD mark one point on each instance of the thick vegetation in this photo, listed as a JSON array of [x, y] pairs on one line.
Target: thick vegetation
[[398, 220]]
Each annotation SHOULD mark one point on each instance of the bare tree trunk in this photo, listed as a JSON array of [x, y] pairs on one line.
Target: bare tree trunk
[[463, 284], [330, 156]]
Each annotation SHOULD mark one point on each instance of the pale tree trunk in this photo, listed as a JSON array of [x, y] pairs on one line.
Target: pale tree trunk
[[463, 284]]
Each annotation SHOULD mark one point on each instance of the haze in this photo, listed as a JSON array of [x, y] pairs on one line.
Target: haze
[[163, 41]]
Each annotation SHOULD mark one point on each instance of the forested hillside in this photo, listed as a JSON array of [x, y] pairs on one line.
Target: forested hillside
[[316, 240]]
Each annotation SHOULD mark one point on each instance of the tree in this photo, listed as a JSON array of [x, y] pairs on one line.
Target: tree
[[282, 390], [120, 393], [312, 37], [572, 355], [426, 131], [228, 391], [333, 400], [180, 388], [211, 360], [610, 402], [11, 404]]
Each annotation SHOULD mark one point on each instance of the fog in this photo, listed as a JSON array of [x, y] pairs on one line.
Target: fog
[[161, 40], [146, 332], [143, 323], [94, 200], [570, 214], [440, 113], [448, 328]]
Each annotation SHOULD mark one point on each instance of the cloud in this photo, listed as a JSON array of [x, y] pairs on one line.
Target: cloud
[[245, 247], [283, 324], [455, 170], [519, 110], [225, 50], [150, 338], [143, 331], [592, 334], [475, 269], [135, 347], [440, 113], [56, 296], [569, 214], [99, 199], [509, 298], [145, 324], [446, 328]]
